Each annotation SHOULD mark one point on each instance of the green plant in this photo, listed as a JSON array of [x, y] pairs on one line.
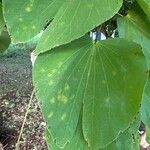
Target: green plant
[[90, 91]]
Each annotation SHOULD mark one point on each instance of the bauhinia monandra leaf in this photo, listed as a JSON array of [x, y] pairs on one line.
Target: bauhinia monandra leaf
[[104, 81], [135, 27], [26, 18], [74, 19]]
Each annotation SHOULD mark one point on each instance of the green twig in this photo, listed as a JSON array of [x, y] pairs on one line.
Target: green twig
[[24, 121]]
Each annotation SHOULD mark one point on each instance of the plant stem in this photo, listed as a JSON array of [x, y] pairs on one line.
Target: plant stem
[[24, 121]]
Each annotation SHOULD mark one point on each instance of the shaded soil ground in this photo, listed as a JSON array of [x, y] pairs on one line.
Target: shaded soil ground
[[15, 90]]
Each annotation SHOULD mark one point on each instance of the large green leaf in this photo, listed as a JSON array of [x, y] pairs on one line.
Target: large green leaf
[[136, 27], [1, 18], [4, 41], [61, 96], [114, 96], [76, 143], [26, 18], [145, 4], [74, 19], [107, 78]]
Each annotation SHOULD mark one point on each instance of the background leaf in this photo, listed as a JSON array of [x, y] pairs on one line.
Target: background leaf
[[148, 134], [107, 78], [145, 107], [4, 41], [136, 28], [145, 4], [2, 23], [74, 19], [30, 17]]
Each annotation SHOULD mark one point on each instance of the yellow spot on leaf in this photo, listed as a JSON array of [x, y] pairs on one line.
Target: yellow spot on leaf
[[107, 99], [128, 16], [62, 98], [50, 115], [49, 74], [31, 5], [28, 9], [63, 117], [60, 64], [66, 87], [52, 101], [52, 73], [50, 83], [42, 70], [20, 19], [33, 27]]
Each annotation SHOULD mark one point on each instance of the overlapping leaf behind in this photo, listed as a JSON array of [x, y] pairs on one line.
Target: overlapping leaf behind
[[135, 26], [4, 36]]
